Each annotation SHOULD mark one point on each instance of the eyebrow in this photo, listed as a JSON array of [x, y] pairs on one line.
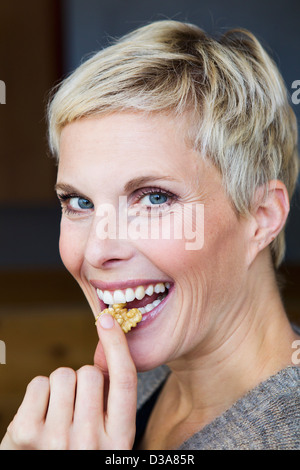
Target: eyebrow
[[142, 180], [68, 188], [128, 187]]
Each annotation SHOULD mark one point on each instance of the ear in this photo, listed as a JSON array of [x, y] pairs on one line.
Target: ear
[[269, 216]]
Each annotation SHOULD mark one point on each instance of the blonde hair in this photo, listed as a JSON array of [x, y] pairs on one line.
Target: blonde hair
[[239, 114]]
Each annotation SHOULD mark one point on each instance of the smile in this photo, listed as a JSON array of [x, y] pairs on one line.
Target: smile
[[144, 297]]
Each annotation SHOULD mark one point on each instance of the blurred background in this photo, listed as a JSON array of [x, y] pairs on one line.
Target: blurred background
[[44, 319]]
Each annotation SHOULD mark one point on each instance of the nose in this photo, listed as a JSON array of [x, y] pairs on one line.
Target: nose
[[104, 248]]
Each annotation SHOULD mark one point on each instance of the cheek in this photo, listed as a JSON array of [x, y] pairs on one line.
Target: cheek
[[176, 242], [224, 259], [213, 267], [172, 258]]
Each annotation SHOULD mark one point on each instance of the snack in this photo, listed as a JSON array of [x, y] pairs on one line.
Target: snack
[[127, 319]]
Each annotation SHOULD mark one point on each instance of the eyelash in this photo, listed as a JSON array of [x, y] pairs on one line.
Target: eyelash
[[139, 194], [64, 198]]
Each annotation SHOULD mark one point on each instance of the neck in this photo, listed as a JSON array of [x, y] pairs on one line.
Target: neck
[[249, 346]]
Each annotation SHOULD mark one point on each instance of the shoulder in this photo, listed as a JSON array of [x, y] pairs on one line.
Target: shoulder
[[266, 418]]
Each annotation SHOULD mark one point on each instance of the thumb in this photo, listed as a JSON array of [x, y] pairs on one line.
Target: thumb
[[105, 321], [100, 359]]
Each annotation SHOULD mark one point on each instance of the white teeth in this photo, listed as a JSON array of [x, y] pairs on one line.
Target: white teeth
[[100, 294], [148, 307], [119, 297], [107, 297], [159, 288], [154, 304], [129, 295], [149, 290], [140, 292]]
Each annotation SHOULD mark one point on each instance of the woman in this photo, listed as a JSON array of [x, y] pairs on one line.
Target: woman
[[165, 121]]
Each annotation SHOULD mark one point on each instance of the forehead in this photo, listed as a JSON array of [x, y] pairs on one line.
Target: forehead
[[128, 140]]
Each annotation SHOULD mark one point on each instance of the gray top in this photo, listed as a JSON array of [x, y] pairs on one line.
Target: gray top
[[266, 418]]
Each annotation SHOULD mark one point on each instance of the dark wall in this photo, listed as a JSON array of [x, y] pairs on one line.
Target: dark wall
[[90, 25]]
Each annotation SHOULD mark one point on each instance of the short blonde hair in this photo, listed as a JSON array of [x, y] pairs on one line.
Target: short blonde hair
[[239, 113]]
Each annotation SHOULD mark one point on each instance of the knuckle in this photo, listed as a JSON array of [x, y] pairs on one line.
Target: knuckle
[[37, 383], [57, 441], [90, 373], [86, 369], [87, 441], [63, 373], [128, 380], [23, 431], [23, 434]]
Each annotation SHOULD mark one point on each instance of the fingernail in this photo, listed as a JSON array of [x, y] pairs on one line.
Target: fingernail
[[106, 321]]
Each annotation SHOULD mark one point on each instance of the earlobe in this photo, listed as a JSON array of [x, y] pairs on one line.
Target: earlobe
[[269, 215]]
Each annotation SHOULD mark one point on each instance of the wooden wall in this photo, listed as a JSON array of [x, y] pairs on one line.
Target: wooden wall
[[30, 64]]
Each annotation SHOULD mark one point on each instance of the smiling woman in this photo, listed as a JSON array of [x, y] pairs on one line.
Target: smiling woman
[[162, 121]]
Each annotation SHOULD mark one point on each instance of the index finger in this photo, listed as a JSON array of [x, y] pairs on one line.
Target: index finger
[[122, 395]]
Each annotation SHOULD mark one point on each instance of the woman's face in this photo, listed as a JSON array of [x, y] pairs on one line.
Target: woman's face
[[129, 162]]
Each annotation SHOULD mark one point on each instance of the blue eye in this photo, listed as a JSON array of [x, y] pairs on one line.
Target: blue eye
[[158, 198], [80, 203], [155, 198]]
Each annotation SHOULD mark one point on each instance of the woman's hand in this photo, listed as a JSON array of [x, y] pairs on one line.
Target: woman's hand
[[69, 410]]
